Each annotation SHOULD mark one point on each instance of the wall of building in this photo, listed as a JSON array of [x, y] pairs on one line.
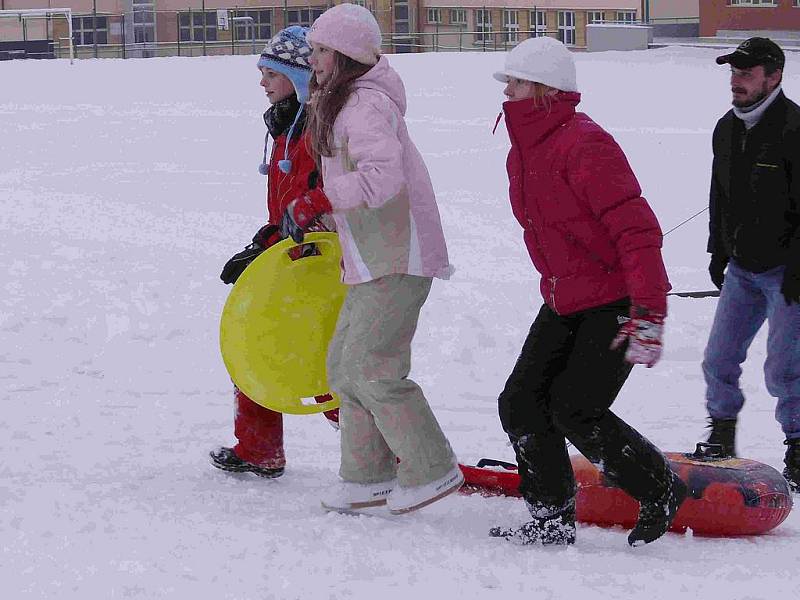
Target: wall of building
[[717, 15], [449, 35], [661, 10]]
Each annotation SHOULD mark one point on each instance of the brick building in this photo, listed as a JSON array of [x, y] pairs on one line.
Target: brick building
[[738, 18]]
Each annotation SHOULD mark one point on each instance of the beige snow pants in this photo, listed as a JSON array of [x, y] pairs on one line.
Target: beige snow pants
[[384, 415]]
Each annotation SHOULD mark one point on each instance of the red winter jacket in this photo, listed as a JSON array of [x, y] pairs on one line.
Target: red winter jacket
[[282, 187], [588, 230]]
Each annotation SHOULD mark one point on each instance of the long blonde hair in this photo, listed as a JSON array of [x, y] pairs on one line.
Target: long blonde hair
[[543, 95], [327, 101]]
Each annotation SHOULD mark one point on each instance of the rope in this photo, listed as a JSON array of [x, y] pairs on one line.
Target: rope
[[682, 223], [699, 294]]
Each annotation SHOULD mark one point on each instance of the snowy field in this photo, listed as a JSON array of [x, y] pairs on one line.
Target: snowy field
[[125, 186]]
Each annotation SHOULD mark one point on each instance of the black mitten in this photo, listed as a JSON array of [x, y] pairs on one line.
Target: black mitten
[[790, 288], [717, 269], [238, 263]]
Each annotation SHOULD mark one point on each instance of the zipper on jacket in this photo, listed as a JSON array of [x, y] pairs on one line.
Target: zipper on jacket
[[552, 281]]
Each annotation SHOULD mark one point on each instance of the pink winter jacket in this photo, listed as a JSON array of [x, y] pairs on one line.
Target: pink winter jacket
[[377, 183]]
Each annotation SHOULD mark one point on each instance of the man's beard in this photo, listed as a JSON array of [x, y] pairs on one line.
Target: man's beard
[[754, 99]]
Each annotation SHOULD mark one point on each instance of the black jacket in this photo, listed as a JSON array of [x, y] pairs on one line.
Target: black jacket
[[755, 188]]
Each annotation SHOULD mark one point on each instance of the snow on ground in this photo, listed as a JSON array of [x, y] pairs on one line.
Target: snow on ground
[[124, 187]]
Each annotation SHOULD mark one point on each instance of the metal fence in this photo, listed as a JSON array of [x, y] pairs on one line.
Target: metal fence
[[206, 32]]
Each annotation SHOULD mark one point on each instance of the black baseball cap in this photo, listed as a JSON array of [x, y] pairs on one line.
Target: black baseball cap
[[753, 52]]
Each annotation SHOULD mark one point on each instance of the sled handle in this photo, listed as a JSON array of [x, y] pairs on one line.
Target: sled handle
[[491, 462], [706, 451], [707, 294], [327, 243]]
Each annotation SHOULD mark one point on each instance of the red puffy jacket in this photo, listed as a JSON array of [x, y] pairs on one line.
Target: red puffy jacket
[[282, 187], [588, 230]]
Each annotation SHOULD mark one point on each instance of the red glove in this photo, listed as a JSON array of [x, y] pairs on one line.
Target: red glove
[[267, 236], [332, 415], [302, 212], [643, 332]]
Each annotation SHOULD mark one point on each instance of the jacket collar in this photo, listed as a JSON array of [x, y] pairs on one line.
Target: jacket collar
[[280, 116], [751, 116], [528, 123]]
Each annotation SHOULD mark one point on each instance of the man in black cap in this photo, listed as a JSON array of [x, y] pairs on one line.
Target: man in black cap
[[754, 233]]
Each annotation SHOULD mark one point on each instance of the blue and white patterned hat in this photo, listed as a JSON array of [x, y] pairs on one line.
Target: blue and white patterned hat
[[288, 53]]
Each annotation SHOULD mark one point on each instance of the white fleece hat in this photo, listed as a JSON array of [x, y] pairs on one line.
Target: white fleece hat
[[543, 60], [349, 29]]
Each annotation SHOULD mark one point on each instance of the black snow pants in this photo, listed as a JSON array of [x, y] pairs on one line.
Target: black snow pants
[[562, 386]]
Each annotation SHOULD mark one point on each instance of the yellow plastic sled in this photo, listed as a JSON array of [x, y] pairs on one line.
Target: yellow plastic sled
[[277, 323]]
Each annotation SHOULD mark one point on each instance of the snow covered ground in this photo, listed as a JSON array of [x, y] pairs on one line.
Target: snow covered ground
[[124, 187]]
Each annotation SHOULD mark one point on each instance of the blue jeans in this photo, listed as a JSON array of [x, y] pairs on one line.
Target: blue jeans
[[746, 301]]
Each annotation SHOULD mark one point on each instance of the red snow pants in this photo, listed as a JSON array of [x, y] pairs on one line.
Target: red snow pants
[[260, 431]]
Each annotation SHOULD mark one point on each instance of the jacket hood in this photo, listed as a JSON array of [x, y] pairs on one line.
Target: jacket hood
[[383, 78]]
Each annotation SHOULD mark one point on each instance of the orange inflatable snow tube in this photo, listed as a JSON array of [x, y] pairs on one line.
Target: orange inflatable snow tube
[[727, 497]]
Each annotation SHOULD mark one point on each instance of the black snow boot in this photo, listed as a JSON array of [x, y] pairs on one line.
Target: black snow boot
[[656, 516], [558, 529], [723, 433], [226, 459], [792, 460]]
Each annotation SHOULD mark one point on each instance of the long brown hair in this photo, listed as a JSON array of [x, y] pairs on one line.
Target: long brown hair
[[327, 101]]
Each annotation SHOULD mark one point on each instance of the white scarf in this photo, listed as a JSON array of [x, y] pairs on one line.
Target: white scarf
[[752, 114]]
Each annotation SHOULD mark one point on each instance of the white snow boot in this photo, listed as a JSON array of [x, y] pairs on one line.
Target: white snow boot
[[406, 499], [348, 497]]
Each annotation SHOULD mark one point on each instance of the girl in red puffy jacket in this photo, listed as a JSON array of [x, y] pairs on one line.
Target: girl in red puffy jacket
[[291, 172], [597, 245]]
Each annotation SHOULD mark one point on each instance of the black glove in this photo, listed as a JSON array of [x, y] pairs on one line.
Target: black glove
[[265, 237], [717, 269], [790, 288], [238, 263]]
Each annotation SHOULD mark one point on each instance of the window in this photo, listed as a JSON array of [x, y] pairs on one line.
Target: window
[[402, 26], [303, 16], [434, 15], [458, 16], [483, 25], [401, 12], [595, 17], [511, 25], [193, 24], [626, 16], [144, 21], [361, 3], [84, 29], [262, 22], [538, 20], [566, 27]]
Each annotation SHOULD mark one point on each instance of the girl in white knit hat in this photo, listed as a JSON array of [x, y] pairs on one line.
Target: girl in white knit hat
[[597, 245], [380, 195]]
